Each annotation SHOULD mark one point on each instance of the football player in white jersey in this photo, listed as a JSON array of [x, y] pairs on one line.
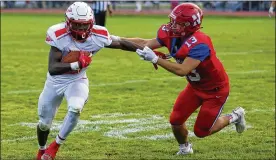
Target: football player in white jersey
[[69, 80]]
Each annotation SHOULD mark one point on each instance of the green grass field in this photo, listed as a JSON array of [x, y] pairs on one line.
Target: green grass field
[[130, 103]]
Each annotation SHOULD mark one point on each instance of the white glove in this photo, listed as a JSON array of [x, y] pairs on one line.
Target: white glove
[[147, 54], [270, 12]]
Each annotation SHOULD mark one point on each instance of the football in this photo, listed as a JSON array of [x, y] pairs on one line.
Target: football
[[72, 56]]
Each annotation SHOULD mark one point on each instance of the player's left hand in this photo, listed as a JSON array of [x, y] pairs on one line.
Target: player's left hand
[[147, 54]]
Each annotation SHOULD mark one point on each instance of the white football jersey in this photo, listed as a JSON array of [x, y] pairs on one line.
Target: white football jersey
[[58, 37]]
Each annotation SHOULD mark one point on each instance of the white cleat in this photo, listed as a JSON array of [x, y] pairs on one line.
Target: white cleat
[[186, 150], [240, 122]]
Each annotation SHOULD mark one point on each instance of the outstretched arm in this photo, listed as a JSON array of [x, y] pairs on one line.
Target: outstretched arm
[[151, 43], [120, 43], [132, 44], [179, 69]]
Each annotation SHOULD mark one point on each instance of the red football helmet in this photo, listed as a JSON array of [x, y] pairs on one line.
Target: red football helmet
[[79, 21], [185, 18]]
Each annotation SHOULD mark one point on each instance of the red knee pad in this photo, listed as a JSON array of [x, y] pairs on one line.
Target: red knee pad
[[200, 132], [176, 118]]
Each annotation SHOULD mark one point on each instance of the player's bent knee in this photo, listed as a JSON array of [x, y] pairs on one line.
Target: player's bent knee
[[201, 133], [75, 109], [75, 104], [176, 119], [44, 126]]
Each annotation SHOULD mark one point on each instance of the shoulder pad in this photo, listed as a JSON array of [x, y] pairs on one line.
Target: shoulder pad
[[57, 31], [202, 37], [54, 33], [100, 31], [162, 32], [101, 34]]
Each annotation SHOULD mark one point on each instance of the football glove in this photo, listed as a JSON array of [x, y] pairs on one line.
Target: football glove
[[147, 54], [152, 56], [84, 59]]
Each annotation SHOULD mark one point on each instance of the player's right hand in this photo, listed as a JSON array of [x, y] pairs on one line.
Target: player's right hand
[[84, 59]]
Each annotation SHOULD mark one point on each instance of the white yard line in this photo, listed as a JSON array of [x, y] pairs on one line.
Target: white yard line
[[129, 82], [19, 139]]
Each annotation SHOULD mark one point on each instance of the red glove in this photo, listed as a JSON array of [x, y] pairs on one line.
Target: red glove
[[160, 55], [85, 59]]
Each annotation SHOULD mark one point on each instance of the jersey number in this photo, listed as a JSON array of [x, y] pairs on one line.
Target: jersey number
[[164, 28], [194, 76], [191, 41]]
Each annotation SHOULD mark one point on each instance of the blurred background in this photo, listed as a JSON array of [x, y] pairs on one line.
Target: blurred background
[[139, 6]]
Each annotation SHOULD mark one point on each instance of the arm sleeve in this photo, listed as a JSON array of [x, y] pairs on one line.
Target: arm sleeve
[[108, 40], [160, 41], [51, 39], [162, 35], [199, 52]]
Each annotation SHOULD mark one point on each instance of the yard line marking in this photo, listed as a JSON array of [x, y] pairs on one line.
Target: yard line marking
[[112, 115], [132, 82], [133, 123], [19, 139], [23, 91]]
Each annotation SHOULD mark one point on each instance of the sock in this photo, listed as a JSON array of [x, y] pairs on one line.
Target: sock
[[69, 123], [182, 146], [42, 147], [42, 137], [232, 117], [59, 140]]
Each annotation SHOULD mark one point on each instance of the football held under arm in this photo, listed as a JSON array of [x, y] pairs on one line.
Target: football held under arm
[[55, 67]]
